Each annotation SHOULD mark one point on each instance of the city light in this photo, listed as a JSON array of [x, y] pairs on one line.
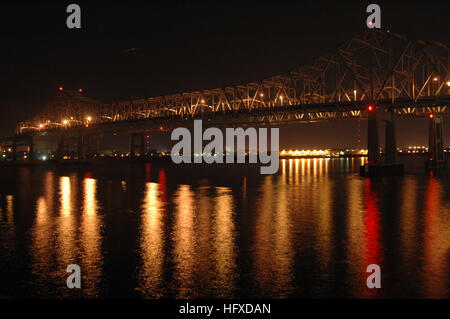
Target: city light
[[65, 122], [370, 108], [323, 153], [448, 83], [304, 153], [80, 90], [60, 88], [431, 116], [89, 118]]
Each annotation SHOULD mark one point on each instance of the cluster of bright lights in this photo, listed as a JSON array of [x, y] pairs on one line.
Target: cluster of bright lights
[[413, 149], [64, 122], [326, 153], [436, 78], [305, 153]]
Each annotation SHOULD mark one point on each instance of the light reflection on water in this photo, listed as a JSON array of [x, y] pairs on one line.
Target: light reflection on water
[[152, 243], [309, 231]]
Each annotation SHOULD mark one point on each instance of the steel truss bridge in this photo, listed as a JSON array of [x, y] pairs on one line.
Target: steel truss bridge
[[384, 69]]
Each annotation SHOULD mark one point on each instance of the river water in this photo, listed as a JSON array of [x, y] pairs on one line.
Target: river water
[[161, 230]]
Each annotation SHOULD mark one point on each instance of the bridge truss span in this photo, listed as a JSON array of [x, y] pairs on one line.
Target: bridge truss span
[[409, 78]]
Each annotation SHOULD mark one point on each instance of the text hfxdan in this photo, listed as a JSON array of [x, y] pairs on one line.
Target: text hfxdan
[[214, 150]]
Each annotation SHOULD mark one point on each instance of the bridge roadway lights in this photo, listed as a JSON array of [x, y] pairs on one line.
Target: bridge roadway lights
[[436, 158]]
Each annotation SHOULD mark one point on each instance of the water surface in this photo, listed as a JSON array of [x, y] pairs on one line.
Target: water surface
[[161, 230]]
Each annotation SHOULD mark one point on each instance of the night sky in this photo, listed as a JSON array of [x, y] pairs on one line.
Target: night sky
[[143, 49]]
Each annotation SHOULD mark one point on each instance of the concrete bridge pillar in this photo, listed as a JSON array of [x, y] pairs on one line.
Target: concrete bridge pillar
[[14, 148], [80, 147], [60, 149], [435, 143], [134, 145], [374, 168], [373, 146], [390, 144]]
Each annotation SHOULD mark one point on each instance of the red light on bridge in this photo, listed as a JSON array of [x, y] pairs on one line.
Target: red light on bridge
[[161, 128], [80, 90], [431, 116], [87, 125], [60, 88], [370, 108]]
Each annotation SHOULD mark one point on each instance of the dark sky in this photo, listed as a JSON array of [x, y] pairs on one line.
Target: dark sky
[[190, 45]]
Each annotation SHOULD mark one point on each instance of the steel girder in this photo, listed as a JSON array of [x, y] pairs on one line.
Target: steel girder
[[377, 67]]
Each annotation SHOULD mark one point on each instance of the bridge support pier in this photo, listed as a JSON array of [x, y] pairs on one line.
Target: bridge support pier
[[373, 146], [133, 145], [436, 156], [80, 146], [374, 168], [390, 145], [14, 149], [20, 141], [60, 149]]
